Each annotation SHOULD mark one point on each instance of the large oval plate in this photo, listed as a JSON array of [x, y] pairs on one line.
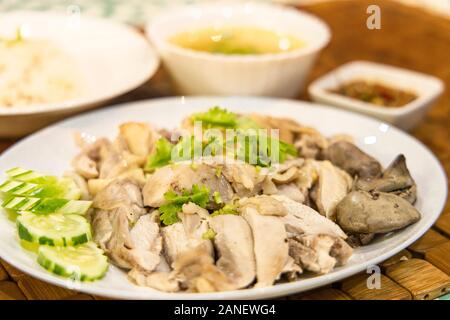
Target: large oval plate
[[51, 150]]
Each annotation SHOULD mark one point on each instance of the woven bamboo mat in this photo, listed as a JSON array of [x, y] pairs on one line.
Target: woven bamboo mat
[[408, 38]]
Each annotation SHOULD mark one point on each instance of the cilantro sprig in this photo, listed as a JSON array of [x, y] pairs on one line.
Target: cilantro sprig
[[250, 144], [216, 117], [226, 209], [161, 157], [169, 211]]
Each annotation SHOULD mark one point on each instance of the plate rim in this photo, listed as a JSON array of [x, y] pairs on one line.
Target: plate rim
[[254, 293]]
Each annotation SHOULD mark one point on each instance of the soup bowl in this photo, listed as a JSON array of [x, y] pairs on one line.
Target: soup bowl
[[274, 74]]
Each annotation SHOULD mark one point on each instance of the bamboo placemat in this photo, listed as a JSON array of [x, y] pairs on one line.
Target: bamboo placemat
[[408, 38]]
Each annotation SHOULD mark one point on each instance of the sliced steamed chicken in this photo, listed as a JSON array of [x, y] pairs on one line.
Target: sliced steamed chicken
[[234, 244], [185, 235], [270, 246], [333, 185], [316, 243], [182, 176], [122, 227]]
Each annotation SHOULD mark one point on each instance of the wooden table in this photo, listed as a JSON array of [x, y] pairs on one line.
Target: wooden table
[[408, 38]]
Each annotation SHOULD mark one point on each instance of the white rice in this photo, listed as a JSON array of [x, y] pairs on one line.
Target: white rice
[[36, 72]]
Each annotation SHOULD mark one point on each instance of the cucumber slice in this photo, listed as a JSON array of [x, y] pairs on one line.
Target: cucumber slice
[[64, 189], [85, 262], [53, 229], [46, 205], [26, 175]]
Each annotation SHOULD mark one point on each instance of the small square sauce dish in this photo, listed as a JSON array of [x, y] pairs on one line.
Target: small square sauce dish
[[398, 96]]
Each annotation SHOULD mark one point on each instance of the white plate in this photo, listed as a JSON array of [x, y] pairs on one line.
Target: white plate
[[113, 59], [51, 150]]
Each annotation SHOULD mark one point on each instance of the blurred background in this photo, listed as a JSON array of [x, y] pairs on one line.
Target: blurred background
[[138, 11]]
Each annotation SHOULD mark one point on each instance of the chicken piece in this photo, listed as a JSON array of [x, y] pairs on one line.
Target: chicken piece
[[284, 181], [87, 161], [307, 177], [292, 192], [183, 176], [289, 130], [270, 246], [196, 272], [138, 248], [120, 230], [145, 243], [244, 178], [192, 208], [195, 226], [341, 137], [102, 226], [269, 187], [319, 253], [286, 177], [115, 159], [353, 160], [291, 270], [129, 236], [264, 205], [185, 235], [175, 241], [121, 193], [140, 138], [80, 182], [285, 126], [162, 281], [311, 146], [136, 175], [291, 163], [303, 220], [85, 166], [234, 244], [332, 187]]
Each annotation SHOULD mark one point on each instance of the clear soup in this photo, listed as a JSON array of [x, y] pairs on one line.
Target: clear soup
[[236, 41]]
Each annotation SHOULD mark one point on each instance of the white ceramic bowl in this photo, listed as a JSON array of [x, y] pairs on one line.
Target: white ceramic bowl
[[427, 88], [112, 59], [279, 74]]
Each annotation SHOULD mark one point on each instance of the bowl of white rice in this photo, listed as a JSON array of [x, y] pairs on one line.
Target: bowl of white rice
[[52, 66]]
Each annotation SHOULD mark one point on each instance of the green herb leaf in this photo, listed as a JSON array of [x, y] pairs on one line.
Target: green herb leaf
[[200, 195], [209, 234], [169, 212], [161, 156], [217, 197], [244, 122], [216, 117], [227, 209], [188, 148], [251, 148]]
